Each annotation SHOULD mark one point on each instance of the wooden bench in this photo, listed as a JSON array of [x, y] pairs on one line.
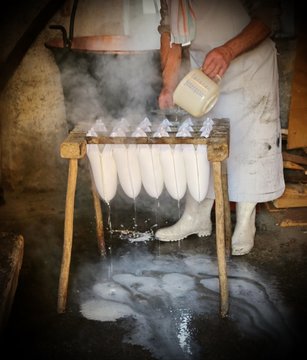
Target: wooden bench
[[74, 148], [11, 258]]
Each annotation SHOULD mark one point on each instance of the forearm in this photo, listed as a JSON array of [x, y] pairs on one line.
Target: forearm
[[252, 35], [165, 40], [218, 59], [171, 64]]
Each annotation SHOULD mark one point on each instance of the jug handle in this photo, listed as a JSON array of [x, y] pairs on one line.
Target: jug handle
[[217, 79]]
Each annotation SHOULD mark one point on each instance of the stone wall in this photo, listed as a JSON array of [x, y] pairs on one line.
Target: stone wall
[[33, 122]]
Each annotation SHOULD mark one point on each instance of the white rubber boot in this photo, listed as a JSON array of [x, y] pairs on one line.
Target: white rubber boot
[[196, 219], [244, 234]]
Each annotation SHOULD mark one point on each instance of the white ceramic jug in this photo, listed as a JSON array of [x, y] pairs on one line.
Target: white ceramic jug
[[196, 93]]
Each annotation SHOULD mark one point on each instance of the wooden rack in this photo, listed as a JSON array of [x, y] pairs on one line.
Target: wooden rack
[[74, 148]]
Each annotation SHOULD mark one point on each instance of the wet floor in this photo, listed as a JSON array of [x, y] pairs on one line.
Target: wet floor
[[148, 299]]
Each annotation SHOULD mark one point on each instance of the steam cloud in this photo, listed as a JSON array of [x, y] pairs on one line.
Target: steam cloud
[[110, 86]]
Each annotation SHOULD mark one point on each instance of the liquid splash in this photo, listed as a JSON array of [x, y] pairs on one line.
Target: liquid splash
[[164, 293]]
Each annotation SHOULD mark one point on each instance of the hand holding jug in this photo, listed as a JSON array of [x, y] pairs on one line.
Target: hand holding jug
[[196, 93]]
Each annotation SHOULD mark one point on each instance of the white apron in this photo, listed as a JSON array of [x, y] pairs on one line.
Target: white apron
[[249, 98]]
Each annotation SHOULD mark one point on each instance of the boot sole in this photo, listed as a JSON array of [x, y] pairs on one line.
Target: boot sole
[[240, 252], [199, 234]]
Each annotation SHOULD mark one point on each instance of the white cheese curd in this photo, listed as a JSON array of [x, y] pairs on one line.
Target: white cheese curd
[[109, 173], [103, 169], [174, 175], [197, 169], [148, 158], [151, 171], [128, 169], [134, 171], [127, 165]]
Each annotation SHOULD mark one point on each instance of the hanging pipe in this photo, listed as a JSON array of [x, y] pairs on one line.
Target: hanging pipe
[[72, 21], [67, 40]]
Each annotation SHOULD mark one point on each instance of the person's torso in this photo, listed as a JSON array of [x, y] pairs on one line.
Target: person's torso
[[217, 21]]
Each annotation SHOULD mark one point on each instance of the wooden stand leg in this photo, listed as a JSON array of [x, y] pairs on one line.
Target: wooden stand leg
[[68, 234], [227, 212], [220, 237], [99, 221]]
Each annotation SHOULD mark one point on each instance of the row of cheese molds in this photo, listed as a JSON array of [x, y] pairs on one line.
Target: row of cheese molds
[[177, 167]]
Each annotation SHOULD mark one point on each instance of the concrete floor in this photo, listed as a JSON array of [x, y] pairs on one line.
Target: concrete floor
[[166, 292]]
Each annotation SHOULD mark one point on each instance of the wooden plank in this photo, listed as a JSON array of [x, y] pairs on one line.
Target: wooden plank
[[271, 208], [293, 166], [299, 159], [297, 123], [11, 258], [68, 234], [293, 176], [220, 238], [295, 195], [289, 217], [292, 222], [99, 221], [74, 146], [294, 217]]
